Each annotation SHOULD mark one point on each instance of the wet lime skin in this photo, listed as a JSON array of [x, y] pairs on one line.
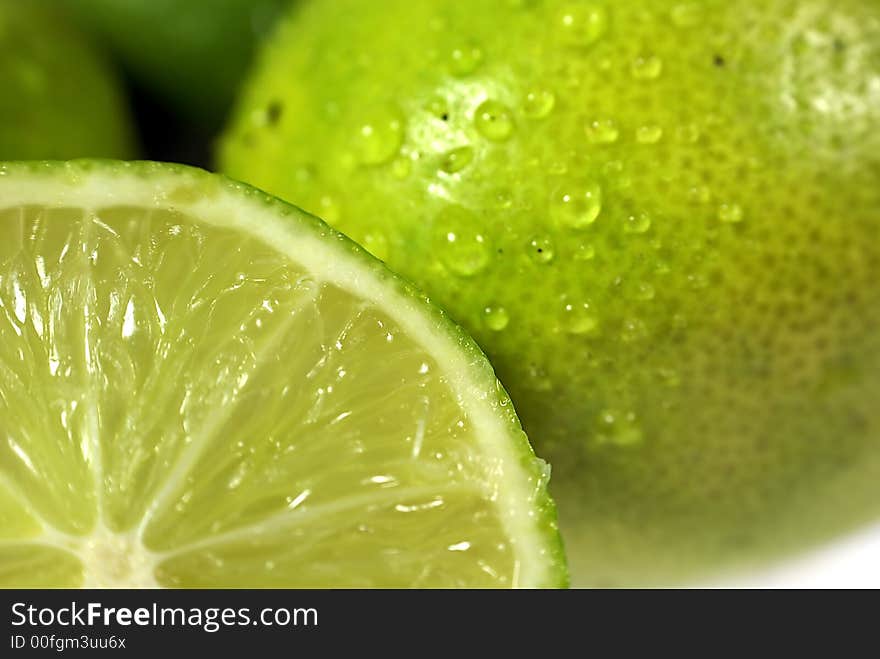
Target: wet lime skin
[[660, 219]]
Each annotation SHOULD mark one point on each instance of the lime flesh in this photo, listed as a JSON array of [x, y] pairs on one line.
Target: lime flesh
[[203, 386]]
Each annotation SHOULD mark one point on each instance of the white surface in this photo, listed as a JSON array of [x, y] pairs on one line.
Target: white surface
[[852, 562]]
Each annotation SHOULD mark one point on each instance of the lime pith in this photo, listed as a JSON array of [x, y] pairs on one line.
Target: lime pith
[[203, 386]]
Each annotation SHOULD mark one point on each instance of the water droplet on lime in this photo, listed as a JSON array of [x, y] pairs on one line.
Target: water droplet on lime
[[457, 159], [463, 248], [633, 329], [557, 168], [585, 252], [602, 131], [618, 428], [730, 213], [637, 223], [538, 380], [494, 121], [582, 23], [579, 319], [646, 67], [438, 107], [541, 250], [649, 134], [378, 141], [700, 194], [464, 60], [504, 198], [576, 205], [538, 103], [496, 318]]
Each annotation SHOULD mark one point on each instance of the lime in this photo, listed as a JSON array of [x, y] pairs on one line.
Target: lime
[[192, 53], [203, 386], [659, 218], [59, 99]]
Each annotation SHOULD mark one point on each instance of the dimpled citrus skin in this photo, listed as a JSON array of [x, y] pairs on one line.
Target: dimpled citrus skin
[[58, 97], [660, 219]]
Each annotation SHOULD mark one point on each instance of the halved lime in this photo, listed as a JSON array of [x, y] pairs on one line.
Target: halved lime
[[203, 386]]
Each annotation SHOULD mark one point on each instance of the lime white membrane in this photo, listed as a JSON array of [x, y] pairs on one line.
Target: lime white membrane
[[203, 386]]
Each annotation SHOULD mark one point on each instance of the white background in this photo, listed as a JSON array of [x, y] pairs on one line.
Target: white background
[[851, 562]]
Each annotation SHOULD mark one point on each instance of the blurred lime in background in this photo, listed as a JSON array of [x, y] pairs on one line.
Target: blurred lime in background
[[58, 96], [190, 53]]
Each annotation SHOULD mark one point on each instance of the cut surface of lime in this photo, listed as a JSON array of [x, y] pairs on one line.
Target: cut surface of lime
[[203, 386]]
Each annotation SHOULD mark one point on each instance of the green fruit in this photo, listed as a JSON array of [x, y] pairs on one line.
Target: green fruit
[[58, 98], [660, 219], [191, 52], [201, 386]]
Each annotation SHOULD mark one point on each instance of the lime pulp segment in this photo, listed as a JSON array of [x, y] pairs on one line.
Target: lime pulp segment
[[203, 386]]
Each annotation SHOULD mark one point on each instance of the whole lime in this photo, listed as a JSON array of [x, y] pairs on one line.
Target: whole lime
[[659, 218], [58, 97], [191, 53]]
